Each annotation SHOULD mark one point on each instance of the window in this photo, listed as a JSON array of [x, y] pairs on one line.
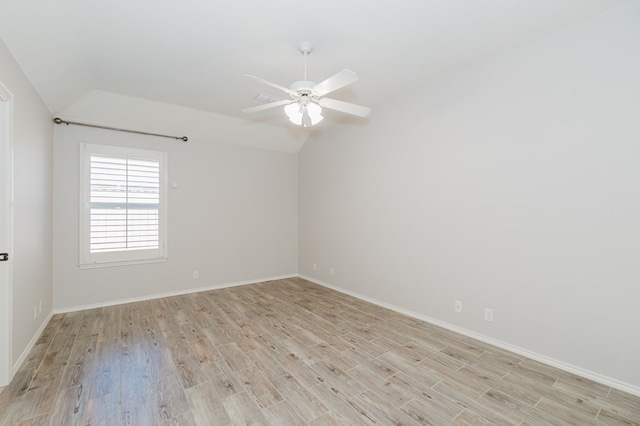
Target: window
[[122, 206]]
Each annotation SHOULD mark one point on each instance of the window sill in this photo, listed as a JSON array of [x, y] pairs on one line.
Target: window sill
[[121, 263]]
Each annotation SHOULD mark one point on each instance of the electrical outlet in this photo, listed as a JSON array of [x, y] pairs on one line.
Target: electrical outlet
[[331, 271], [488, 314], [196, 275], [315, 267], [458, 306]]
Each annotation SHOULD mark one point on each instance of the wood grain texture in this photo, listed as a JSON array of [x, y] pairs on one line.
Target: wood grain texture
[[287, 352]]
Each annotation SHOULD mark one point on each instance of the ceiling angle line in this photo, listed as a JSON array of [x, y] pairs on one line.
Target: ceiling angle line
[[59, 120]]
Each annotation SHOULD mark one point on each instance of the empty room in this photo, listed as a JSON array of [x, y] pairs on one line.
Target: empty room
[[320, 213]]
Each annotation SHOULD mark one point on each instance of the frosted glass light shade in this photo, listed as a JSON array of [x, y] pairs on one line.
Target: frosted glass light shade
[[294, 112], [315, 113]]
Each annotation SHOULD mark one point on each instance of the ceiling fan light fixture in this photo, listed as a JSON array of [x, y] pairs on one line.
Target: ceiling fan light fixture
[[295, 112]]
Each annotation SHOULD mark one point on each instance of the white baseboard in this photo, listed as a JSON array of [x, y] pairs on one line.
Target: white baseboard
[[168, 294], [626, 387], [32, 343]]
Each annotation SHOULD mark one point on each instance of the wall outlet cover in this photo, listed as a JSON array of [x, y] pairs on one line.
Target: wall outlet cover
[[488, 314]]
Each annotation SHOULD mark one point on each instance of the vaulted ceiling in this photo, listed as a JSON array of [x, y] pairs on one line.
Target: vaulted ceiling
[[194, 53]]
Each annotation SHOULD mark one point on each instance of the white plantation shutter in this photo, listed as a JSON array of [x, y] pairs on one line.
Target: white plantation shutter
[[123, 205]]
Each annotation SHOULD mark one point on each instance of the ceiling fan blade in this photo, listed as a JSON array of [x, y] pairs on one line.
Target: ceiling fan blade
[[335, 82], [346, 107], [268, 83], [269, 105]]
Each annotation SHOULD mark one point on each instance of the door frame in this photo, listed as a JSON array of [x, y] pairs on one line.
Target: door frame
[[6, 222]]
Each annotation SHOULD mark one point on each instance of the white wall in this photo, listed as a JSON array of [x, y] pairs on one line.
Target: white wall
[[32, 164], [512, 185], [233, 218]]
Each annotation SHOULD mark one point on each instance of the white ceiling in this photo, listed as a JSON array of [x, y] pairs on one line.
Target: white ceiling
[[194, 53]]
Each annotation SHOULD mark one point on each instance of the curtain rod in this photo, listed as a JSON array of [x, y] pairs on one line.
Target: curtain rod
[[59, 120]]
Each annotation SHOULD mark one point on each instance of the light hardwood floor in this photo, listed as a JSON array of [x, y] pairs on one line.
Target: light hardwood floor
[[286, 352]]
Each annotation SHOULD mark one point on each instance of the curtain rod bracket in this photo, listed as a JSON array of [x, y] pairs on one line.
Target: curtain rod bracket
[[59, 120]]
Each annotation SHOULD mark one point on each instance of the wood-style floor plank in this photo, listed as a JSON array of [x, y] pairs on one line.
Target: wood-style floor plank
[[70, 406], [302, 400], [287, 352], [103, 410], [206, 405]]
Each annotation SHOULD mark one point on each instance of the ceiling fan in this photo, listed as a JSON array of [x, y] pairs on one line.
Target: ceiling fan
[[308, 98]]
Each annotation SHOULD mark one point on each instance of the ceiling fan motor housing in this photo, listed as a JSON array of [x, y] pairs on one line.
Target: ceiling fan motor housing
[[302, 86]]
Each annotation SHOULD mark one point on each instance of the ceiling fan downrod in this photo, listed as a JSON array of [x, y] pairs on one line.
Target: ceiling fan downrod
[[305, 48]]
